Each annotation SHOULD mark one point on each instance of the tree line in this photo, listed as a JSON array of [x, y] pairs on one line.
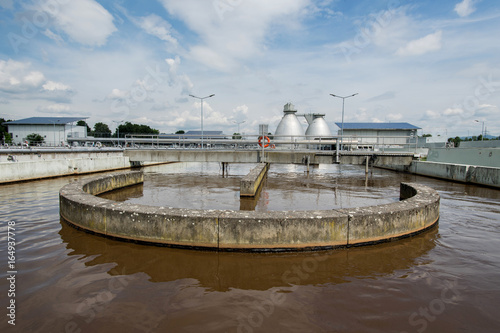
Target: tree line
[[456, 140], [4, 134], [101, 130]]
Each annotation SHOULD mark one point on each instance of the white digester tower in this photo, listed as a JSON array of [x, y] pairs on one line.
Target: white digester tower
[[318, 128], [289, 129]]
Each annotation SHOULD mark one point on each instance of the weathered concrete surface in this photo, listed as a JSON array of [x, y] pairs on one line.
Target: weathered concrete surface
[[172, 226], [270, 156], [486, 157], [282, 230], [472, 174], [250, 184], [418, 210], [376, 158], [32, 164], [245, 230]]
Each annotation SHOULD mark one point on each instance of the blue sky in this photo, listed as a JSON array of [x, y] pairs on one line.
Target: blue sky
[[434, 64]]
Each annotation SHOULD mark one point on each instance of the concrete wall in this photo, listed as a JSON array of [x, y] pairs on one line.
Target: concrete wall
[[252, 181], [418, 211], [245, 230], [472, 174], [29, 166], [489, 157], [480, 144]]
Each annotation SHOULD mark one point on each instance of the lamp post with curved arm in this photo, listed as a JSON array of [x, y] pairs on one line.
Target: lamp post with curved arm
[[342, 127], [201, 99], [482, 129]]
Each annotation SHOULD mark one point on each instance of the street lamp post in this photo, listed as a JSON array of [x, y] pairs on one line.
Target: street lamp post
[[238, 123], [201, 99], [342, 127], [118, 122], [482, 129]]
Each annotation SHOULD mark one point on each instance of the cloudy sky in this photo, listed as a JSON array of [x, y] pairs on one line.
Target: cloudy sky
[[434, 64]]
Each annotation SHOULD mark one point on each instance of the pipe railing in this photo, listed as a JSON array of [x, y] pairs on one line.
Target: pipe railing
[[247, 142], [285, 142]]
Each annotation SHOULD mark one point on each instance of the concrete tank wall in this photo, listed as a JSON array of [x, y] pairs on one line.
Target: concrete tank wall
[[28, 165], [245, 230], [472, 174], [488, 157], [29, 170], [250, 184]]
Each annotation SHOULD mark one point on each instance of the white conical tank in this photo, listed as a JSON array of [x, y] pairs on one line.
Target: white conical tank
[[289, 128], [318, 128]]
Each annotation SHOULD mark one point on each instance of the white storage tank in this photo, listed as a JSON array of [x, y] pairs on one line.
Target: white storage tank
[[289, 129], [318, 128]]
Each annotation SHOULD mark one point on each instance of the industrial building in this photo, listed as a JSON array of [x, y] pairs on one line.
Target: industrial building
[[54, 130], [381, 134]]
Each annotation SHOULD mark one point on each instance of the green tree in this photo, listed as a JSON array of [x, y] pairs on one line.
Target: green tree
[[83, 123], [34, 138], [101, 130], [4, 134], [456, 141], [129, 128], [236, 136], [180, 132], [7, 138]]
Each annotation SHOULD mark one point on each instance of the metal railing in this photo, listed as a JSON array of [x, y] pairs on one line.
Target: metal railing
[[286, 142], [351, 144]]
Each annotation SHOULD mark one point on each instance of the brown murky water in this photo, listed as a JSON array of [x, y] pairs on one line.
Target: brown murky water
[[445, 280], [288, 187]]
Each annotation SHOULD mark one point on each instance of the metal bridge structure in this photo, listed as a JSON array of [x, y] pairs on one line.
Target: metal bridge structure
[[255, 149]]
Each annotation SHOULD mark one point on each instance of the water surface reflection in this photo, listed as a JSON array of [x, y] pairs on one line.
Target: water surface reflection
[[222, 271], [71, 281]]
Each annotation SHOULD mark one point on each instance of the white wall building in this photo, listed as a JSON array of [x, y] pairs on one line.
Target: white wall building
[[54, 130], [380, 134]]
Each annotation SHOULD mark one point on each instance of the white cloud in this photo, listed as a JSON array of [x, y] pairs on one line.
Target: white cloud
[[53, 86], [487, 110], [58, 108], [240, 111], [50, 34], [117, 94], [234, 30], [453, 112], [429, 43], [16, 76], [156, 26], [178, 79], [432, 114], [465, 8], [84, 21], [394, 117], [19, 81]]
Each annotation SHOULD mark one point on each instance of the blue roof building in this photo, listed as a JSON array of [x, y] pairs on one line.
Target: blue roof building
[[54, 130], [45, 120]]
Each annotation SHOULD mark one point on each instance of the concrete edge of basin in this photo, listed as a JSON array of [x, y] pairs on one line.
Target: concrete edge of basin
[[249, 231]]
